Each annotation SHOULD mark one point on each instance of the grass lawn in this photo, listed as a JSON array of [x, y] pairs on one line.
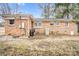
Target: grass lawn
[[48, 46]]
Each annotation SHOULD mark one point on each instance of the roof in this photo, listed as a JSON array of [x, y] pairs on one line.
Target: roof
[[10, 15], [60, 20], [38, 19], [16, 15]]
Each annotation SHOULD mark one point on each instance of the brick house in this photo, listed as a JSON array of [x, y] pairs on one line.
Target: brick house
[[57, 26], [18, 24], [21, 24]]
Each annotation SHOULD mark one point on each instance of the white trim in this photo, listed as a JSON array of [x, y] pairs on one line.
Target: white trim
[[10, 18]]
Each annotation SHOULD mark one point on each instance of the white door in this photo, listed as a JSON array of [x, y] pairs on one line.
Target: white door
[[46, 31], [22, 24]]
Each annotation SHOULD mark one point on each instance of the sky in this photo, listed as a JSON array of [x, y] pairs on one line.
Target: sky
[[29, 8]]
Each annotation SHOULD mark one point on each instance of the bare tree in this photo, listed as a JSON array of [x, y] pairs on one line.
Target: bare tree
[[6, 8], [16, 9], [47, 10]]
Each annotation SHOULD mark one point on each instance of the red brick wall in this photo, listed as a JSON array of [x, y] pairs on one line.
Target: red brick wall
[[15, 30], [58, 29]]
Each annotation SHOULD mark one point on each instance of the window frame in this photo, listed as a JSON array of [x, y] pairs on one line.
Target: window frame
[[38, 24], [56, 23], [9, 21]]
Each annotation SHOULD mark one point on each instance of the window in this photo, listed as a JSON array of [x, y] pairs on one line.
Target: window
[[35, 24], [38, 24], [11, 21], [51, 23], [56, 23]]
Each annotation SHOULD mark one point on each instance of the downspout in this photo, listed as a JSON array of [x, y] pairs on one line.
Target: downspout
[[20, 25]]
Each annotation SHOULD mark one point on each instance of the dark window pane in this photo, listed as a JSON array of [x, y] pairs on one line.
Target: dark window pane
[[11, 21]]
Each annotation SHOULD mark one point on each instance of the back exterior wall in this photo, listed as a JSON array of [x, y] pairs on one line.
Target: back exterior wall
[[61, 28]]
